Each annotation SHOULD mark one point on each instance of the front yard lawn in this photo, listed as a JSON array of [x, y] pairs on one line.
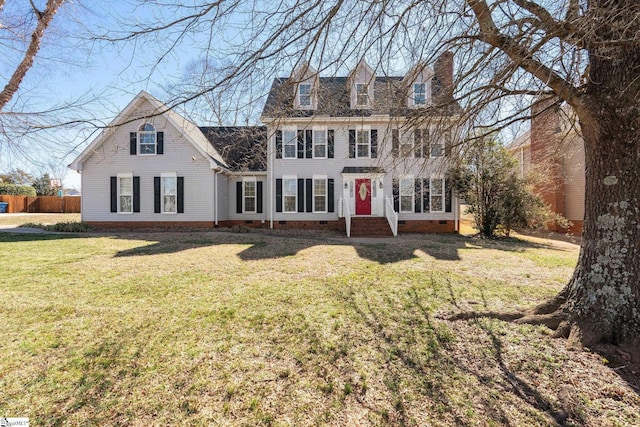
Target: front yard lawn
[[211, 328]]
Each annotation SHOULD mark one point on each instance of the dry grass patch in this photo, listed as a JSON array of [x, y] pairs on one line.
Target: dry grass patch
[[251, 329]]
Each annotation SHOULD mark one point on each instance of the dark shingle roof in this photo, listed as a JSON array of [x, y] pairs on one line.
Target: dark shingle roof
[[334, 100], [243, 148]]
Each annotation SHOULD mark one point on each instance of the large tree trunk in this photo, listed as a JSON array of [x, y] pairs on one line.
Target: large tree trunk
[[603, 297]]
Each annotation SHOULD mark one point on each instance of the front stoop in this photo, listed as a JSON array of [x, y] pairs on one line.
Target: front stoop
[[370, 227]]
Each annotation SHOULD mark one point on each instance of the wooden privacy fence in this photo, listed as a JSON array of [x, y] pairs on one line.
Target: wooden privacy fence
[[42, 204]]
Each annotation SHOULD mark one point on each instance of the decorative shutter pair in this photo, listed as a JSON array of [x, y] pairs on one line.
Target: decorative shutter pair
[[305, 148], [133, 143], [240, 196], [373, 141], [305, 195], [114, 193], [157, 197]]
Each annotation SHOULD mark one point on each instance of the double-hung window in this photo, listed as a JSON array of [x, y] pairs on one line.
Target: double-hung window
[[406, 145], [304, 95], [406, 195], [125, 193], [320, 194], [289, 143], [249, 195], [363, 143], [362, 95], [169, 191], [419, 94], [147, 139], [290, 193], [320, 144], [436, 194]]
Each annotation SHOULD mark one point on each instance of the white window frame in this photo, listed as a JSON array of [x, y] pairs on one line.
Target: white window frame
[[143, 134], [286, 178], [287, 142], [305, 106], [432, 196], [163, 176], [245, 181], [324, 133], [411, 182], [321, 178], [436, 147], [366, 131], [359, 87], [120, 194], [406, 144], [422, 93]]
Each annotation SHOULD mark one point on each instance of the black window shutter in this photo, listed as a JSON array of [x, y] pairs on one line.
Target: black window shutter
[[278, 144], [374, 143], [417, 144], [447, 195], [396, 195], [114, 194], [133, 143], [330, 143], [447, 145], [395, 142], [352, 143], [330, 195], [301, 144], [309, 143], [278, 195], [425, 196], [426, 144], [156, 194], [309, 195], [417, 196], [300, 195], [180, 194], [259, 197], [136, 194], [160, 142], [239, 197]]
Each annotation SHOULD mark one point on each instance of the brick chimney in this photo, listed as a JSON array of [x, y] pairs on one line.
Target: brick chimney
[[443, 74], [545, 153]]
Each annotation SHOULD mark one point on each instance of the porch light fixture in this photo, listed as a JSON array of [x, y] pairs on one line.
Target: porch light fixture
[[346, 185], [381, 185]]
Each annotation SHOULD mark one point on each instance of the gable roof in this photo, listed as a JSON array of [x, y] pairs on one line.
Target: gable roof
[[334, 99], [189, 130], [244, 148]]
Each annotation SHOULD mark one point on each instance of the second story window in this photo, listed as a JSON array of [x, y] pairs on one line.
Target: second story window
[[304, 95], [289, 143], [362, 94], [362, 144], [147, 139], [419, 94]]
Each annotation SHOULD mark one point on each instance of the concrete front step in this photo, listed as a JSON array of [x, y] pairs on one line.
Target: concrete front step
[[370, 227]]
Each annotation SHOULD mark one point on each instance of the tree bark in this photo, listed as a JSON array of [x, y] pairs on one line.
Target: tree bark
[[44, 19]]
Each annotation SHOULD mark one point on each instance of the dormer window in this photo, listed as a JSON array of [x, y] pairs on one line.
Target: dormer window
[[304, 95], [362, 94], [419, 94], [147, 139]]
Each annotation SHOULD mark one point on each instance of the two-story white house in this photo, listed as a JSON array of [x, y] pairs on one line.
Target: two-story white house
[[362, 153]]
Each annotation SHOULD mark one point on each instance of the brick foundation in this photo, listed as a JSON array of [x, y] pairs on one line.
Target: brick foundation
[[311, 225], [427, 226], [574, 228], [163, 225]]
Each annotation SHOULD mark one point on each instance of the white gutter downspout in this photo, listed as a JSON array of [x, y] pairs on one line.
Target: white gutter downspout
[[271, 183], [215, 196]]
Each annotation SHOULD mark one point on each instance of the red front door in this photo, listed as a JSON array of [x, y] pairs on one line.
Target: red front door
[[363, 197]]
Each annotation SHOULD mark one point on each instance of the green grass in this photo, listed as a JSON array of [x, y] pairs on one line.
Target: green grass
[[250, 329]]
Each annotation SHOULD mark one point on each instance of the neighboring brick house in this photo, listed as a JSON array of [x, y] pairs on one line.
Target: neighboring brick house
[[555, 148], [361, 153]]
